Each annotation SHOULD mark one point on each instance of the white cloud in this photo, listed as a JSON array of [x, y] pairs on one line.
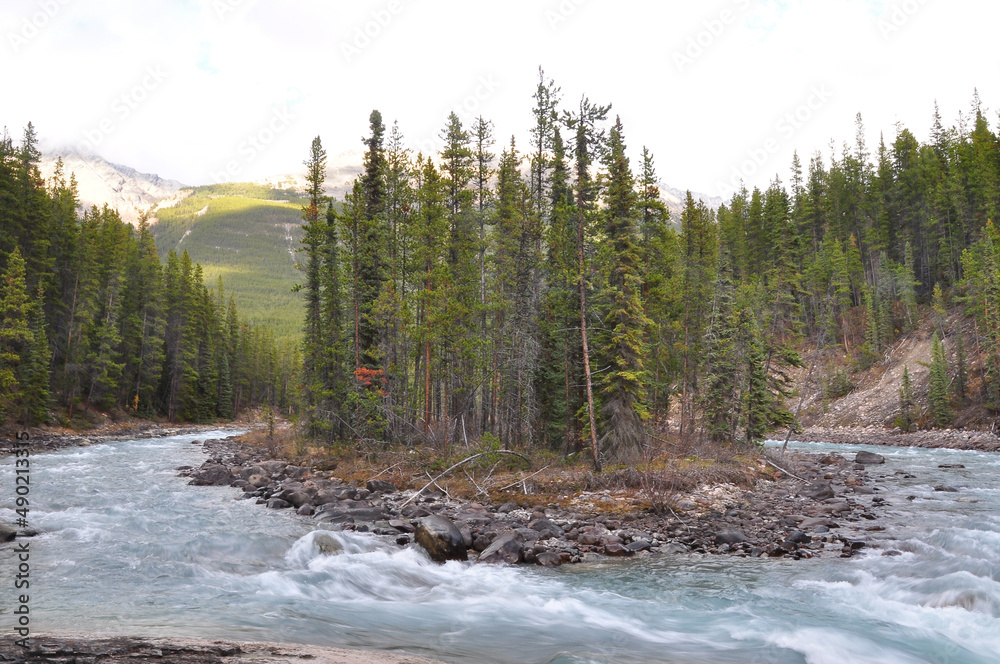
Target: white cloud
[[230, 63]]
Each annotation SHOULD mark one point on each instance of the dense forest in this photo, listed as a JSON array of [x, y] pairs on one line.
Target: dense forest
[[544, 297], [91, 319], [246, 234], [527, 297]]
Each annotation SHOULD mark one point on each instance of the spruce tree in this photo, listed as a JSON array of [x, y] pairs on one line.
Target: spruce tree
[[937, 387], [590, 140], [313, 241], [34, 374], [624, 385], [15, 332], [906, 402]]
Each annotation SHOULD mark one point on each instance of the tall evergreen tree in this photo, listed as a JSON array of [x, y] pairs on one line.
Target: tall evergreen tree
[[937, 386], [624, 385]]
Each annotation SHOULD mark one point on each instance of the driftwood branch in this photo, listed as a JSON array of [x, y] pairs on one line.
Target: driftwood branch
[[462, 463], [523, 479], [771, 463]]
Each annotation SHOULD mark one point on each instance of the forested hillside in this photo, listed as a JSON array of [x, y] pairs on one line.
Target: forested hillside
[[539, 295], [91, 319], [249, 236]]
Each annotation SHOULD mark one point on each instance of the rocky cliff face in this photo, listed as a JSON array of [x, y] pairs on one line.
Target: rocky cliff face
[[99, 181]]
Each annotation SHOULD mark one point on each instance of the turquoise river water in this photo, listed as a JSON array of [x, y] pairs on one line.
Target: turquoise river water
[[127, 547]]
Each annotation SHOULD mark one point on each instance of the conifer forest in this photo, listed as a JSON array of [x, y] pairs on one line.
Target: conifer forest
[[527, 296]]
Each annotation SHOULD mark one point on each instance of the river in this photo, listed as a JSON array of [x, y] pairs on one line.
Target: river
[[127, 547]]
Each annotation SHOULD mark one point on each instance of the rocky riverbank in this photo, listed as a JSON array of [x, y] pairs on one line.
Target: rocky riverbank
[[48, 440], [813, 506], [132, 650], [958, 439]]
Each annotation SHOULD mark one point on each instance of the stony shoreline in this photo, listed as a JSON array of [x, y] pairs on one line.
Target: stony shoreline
[[958, 439], [128, 650], [41, 440], [816, 506]]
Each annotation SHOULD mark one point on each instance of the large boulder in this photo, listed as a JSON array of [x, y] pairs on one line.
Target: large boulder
[[868, 458], [212, 474], [504, 549], [440, 538]]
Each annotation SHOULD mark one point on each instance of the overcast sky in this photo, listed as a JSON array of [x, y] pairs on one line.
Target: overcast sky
[[207, 90]]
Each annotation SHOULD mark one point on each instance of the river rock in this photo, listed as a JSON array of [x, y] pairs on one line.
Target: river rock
[[548, 559], [946, 488], [327, 543], [7, 533], [868, 458], [617, 550], [798, 537], [504, 549], [951, 465], [338, 513], [258, 480], [730, 536], [401, 525], [380, 486], [212, 474], [639, 545], [818, 491], [546, 528], [440, 538], [277, 504], [835, 508]]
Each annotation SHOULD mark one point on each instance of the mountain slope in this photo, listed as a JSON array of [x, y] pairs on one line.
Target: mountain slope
[[248, 235], [100, 181]]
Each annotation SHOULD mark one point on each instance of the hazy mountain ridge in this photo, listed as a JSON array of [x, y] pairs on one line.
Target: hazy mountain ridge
[[100, 181]]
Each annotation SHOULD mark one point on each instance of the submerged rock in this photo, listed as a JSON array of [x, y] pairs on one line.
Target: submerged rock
[[868, 458]]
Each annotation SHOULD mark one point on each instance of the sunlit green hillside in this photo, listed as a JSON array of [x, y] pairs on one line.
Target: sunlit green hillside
[[249, 235]]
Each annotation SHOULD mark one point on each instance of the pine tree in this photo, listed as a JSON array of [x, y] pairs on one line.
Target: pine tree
[[589, 141], [15, 332], [907, 404], [34, 375], [937, 389], [624, 385], [372, 247], [938, 306], [313, 241]]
